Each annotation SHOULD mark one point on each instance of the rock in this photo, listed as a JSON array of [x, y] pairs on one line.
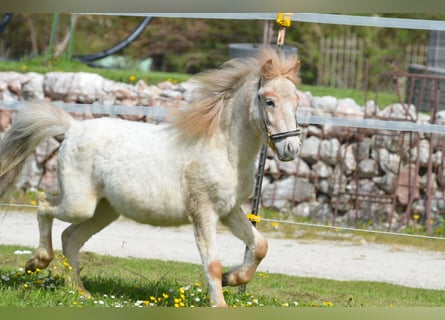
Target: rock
[[371, 109], [284, 193], [398, 111], [364, 148], [49, 179], [408, 184], [304, 209], [46, 148], [348, 158], [322, 170], [385, 182], [297, 167], [32, 88], [15, 85], [304, 99], [84, 87], [437, 158], [326, 104], [30, 177], [424, 151], [322, 213], [165, 85], [323, 186], [423, 183], [309, 149], [314, 131], [271, 167], [189, 89], [329, 151], [348, 108], [367, 168], [438, 202], [5, 119], [440, 117], [343, 202], [389, 162], [172, 94]]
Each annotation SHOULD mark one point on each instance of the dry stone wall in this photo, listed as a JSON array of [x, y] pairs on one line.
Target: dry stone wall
[[350, 175]]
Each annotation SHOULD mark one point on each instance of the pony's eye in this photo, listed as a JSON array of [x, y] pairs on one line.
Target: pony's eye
[[270, 103]]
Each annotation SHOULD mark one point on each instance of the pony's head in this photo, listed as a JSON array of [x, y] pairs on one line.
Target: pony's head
[[278, 101]]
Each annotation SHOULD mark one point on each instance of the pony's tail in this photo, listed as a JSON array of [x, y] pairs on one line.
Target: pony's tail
[[33, 125]]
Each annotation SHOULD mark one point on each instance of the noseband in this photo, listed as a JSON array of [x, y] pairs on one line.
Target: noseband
[[272, 138]]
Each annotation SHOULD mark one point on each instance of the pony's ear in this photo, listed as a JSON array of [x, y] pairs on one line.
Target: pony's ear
[[295, 68], [292, 72], [267, 69]]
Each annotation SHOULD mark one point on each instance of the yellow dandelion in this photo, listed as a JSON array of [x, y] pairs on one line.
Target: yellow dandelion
[[152, 298], [24, 67], [329, 304], [416, 217], [33, 202], [132, 78], [275, 224], [253, 217], [165, 296], [25, 286], [285, 304]]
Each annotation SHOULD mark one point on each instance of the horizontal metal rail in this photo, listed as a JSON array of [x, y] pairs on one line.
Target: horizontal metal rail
[[350, 20], [157, 113]]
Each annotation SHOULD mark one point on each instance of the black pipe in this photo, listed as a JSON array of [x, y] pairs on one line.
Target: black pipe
[[118, 47], [5, 20]]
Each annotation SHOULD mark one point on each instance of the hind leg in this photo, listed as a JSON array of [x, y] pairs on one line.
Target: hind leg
[[256, 248], [71, 208], [44, 253], [74, 237]]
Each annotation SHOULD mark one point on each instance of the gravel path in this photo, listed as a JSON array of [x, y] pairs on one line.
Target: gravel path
[[322, 259]]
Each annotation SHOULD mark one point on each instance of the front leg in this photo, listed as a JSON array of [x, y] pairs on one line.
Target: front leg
[[256, 248]]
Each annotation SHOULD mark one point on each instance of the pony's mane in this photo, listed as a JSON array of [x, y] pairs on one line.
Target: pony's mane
[[217, 86]]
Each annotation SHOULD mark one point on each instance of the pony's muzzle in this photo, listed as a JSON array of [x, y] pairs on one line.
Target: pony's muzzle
[[287, 149]]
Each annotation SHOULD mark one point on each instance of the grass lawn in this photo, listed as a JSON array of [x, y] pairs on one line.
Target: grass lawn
[[125, 282]]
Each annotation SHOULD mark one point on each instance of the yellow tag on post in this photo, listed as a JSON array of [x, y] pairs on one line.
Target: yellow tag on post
[[283, 19]]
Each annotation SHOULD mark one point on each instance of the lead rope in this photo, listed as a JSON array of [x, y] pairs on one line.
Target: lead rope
[[283, 20]]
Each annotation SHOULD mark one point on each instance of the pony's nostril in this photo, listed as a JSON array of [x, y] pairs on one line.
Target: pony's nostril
[[290, 147]]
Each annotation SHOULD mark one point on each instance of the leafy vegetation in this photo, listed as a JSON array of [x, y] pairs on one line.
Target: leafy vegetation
[[192, 45]]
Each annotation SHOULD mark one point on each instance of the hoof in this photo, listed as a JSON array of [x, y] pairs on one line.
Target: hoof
[[37, 263], [31, 265], [225, 279]]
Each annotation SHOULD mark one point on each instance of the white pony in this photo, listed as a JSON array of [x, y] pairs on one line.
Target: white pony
[[199, 169]]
